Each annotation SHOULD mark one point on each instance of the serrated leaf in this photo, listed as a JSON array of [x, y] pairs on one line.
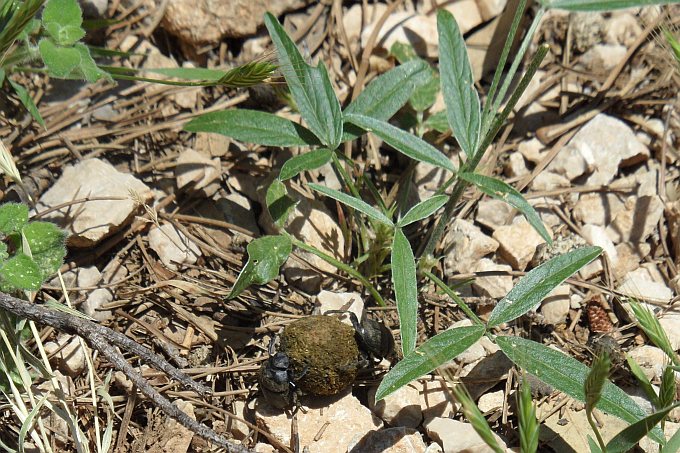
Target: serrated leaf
[[310, 87], [539, 282], [47, 246], [310, 160], [405, 290], [63, 21], [499, 190], [598, 5], [385, 95], [568, 375], [13, 217], [458, 88], [435, 352], [27, 102], [627, 439], [88, 69], [265, 256], [423, 210], [252, 126], [352, 202], [60, 61], [407, 144], [20, 272], [279, 204]]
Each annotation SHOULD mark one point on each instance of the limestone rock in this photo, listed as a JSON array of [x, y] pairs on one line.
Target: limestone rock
[[457, 437], [196, 172], [670, 322], [489, 9], [237, 209], [328, 300], [400, 408], [547, 180], [597, 208], [174, 437], [494, 213], [637, 221], [596, 235], [515, 166], [638, 285], [345, 419], [419, 30], [555, 307], [532, 150], [68, 354], [518, 242], [491, 401], [465, 245], [603, 56], [466, 13], [390, 440], [172, 246], [207, 22], [92, 221], [495, 286], [651, 359], [436, 399], [623, 28]]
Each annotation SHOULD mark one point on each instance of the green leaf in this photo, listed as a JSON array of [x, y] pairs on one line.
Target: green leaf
[[422, 210], [538, 283], [47, 246], [405, 290], [438, 122], [598, 5], [426, 95], [20, 272], [496, 188], [60, 61], [627, 439], [279, 204], [435, 352], [385, 95], [569, 375], [402, 141], [311, 87], [4, 252], [460, 95], [673, 444], [594, 447], [652, 328], [13, 217], [63, 21], [252, 126], [352, 202], [642, 380], [88, 69], [403, 52], [265, 256], [27, 102], [304, 162]]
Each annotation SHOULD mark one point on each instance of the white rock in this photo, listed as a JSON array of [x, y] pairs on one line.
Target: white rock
[[174, 437], [670, 322], [239, 429], [458, 437], [651, 359], [606, 143], [466, 13], [419, 30], [198, 23], [586, 29], [94, 8], [597, 208], [603, 56], [569, 163], [596, 235], [532, 150], [489, 9], [390, 440], [434, 448], [264, 448], [637, 221], [494, 286], [494, 213], [555, 307], [70, 358], [238, 210], [352, 301], [194, 171], [436, 399], [547, 180], [92, 221], [465, 245], [345, 420], [398, 409], [491, 401], [172, 246], [623, 28], [354, 23], [641, 287], [518, 242], [515, 166]]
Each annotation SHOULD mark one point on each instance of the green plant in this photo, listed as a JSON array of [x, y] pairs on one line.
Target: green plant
[[474, 127]]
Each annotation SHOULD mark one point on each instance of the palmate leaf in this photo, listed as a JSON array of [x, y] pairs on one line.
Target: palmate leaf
[[569, 375], [460, 95], [252, 126], [310, 87], [405, 290], [435, 352]]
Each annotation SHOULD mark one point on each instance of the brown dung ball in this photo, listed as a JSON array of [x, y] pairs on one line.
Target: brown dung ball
[[325, 350]]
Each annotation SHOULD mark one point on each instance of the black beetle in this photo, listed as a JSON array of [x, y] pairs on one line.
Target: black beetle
[[277, 380], [374, 339]]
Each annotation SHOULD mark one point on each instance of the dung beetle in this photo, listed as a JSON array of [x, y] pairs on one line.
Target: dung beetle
[[277, 380], [374, 339]]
